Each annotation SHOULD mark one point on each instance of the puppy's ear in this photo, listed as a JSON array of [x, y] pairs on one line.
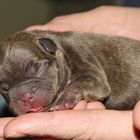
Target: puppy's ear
[[48, 45]]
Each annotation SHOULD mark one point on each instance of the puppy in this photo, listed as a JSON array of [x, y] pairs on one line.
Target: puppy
[[46, 71]]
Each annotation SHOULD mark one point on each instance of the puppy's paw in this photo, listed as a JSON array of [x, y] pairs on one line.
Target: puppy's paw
[[64, 103]]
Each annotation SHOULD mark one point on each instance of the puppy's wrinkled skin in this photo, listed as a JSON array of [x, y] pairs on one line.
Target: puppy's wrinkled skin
[[46, 71]]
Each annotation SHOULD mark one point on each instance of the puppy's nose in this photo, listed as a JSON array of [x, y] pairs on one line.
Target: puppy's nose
[[31, 100], [27, 97], [30, 103]]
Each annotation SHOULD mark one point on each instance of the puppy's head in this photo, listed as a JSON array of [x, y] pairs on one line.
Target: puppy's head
[[30, 72]]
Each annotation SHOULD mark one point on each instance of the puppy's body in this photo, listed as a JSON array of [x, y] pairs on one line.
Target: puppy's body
[[56, 70]]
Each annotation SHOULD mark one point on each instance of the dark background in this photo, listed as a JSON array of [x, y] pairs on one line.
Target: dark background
[[16, 15]]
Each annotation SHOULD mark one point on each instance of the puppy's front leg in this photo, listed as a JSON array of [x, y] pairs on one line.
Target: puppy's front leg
[[86, 87]]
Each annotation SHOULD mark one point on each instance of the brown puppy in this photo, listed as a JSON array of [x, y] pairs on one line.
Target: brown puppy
[[44, 70]]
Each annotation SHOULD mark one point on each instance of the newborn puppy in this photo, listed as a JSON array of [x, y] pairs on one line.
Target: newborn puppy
[[46, 71]]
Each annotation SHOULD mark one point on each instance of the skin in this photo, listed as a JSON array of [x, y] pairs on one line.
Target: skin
[[136, 116], [98, 122]]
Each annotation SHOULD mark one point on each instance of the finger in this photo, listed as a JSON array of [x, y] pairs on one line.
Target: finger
[[47, 124], [54, 26], [136, 116], [3, 122], [74, 124], [81, 105], [90, 105], [95, 105], [61, 23], [36, 27]]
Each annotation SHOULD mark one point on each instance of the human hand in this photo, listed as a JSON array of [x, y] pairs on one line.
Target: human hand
[[81, 105], [81, 123], [108, 20]]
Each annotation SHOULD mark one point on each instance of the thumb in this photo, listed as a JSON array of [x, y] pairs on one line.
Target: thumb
[[60, 124], [3, 122], [73, 124]]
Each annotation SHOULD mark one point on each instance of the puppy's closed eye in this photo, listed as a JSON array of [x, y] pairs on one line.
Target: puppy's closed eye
[[33, 68]]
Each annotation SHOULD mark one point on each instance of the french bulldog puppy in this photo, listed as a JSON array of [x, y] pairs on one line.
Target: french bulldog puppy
[[46, 71]]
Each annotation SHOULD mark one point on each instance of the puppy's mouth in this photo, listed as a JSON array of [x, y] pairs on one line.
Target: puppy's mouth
[[38, 106], [37, 109], [29, 103]]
